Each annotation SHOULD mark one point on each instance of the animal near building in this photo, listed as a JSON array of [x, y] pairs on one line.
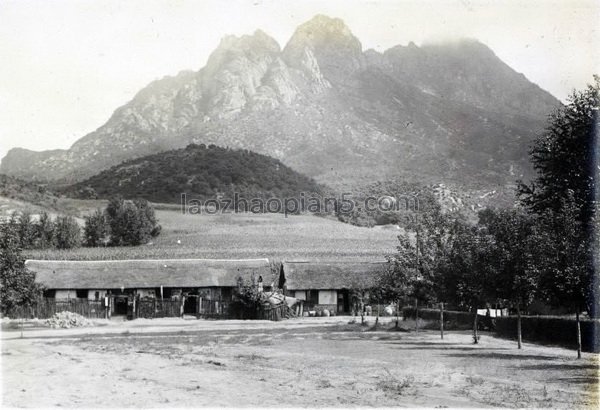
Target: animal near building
[[329, 285], [116, 286]]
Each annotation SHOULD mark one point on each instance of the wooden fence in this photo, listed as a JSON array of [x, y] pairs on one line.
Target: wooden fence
[[148, 308], [274, 313], [155, 308], [212, 308], [47, 307]]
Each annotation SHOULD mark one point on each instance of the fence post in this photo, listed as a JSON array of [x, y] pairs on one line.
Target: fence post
[[442, 319], [416, 315]]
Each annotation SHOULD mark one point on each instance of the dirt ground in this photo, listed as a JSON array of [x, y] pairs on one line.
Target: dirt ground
[[315, 362]]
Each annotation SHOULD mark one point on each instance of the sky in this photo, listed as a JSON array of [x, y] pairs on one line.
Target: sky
[[66, 65]]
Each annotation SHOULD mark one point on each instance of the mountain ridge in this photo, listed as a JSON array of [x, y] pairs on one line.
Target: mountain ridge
[[328, 109]]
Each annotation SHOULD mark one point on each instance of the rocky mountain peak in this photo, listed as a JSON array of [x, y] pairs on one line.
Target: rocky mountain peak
[[257, 42], [336, 49], [251, 47], [327, 109]]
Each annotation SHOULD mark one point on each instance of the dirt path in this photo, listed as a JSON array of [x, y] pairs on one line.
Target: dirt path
[[317, 363]]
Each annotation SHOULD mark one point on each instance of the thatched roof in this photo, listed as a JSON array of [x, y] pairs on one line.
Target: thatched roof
[[331, 275], [145, 273]]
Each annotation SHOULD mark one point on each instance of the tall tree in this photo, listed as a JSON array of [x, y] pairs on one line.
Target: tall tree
[[45, 231], [514, 248], [131, 223], [26, 232], [67, 233], [406, 275], [393, 283], [96, 229], [564, 158], [467, 272], [567, 269], [17, 284], [148, 222]]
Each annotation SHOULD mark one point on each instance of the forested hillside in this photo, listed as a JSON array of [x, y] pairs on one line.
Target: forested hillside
[[200, 172]]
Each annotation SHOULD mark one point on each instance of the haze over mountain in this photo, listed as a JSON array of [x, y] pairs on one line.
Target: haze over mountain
[[451, 113]]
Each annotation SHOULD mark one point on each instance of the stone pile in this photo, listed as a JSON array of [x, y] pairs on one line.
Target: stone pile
[[66, 320]]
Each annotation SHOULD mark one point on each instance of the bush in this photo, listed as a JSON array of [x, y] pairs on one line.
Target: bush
[[551, 330], [246, 299]]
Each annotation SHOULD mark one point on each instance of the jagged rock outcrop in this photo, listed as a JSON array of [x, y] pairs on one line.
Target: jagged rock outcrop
[[322, 105]]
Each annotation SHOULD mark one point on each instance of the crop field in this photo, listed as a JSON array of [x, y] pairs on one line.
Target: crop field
[[55, 206], [247, 235], [308, 362]]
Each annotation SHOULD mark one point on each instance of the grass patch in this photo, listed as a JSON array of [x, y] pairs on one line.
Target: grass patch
[[392, 385]]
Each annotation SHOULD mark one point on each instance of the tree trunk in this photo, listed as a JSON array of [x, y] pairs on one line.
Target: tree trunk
[[442, 320], [362, 313], [397, 314], [475, 335], [377, 318], [519, 326], [416, 315], [578, 334]]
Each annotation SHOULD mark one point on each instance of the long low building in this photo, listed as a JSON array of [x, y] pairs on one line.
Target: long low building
[[118, 280], [328, 285], [117, 283]]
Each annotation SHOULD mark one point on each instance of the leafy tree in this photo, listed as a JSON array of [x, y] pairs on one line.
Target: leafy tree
[[419, 262], [410, 274], [359, 292], [44, 231], [26, 230], [148, 222], [563, 195], [17, 284], [564, 158], [394, 282], [131, 223], [467, 273], [514, 250], [377, 295], [567, 174], [567, 262], [96, 229], [67, 233]]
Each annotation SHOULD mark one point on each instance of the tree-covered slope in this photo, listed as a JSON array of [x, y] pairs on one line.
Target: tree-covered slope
[[199, 171]]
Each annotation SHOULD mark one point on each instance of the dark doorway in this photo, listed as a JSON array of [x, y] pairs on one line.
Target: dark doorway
[[120, 305], [343, 301], [190, 306]]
